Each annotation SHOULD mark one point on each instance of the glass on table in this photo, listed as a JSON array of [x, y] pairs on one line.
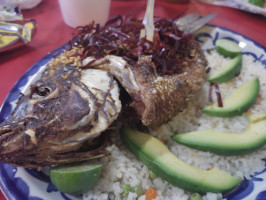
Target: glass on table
[[82, 12]]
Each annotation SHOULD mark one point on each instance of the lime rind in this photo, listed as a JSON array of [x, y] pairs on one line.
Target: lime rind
[[77, 167], [76, 178]]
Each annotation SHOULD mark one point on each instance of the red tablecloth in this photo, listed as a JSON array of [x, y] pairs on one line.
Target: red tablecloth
[[52, 32]]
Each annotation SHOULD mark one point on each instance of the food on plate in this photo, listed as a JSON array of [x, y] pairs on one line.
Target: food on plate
[[59, 117], [158, 158], [75, 178], [127, 188], [110, 75], [227, 48], [195, 196], [238, 102], [228, 72], [160, 85], [260, 3], [63, 116], [150, 194], [225, 143], [120, 167]]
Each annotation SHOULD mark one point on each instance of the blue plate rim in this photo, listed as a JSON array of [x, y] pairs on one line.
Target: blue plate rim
[[44, 60]]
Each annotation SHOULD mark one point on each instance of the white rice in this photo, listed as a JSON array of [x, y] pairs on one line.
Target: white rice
[[122, 167]]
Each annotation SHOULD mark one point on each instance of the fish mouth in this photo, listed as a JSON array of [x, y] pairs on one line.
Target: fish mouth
[[37, 158], [61, 123]]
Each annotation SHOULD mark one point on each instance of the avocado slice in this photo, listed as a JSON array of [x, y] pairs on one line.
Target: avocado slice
[[238, 102], [162, 162], [228, 144], [227, 48], [228, 72]]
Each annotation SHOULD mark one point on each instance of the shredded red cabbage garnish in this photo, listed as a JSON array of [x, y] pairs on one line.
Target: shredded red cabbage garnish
[[210, 93], [218, 94], [121, 37]]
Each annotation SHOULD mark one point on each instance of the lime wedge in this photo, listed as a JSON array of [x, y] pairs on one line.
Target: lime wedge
[[227, 48], [76, 178]]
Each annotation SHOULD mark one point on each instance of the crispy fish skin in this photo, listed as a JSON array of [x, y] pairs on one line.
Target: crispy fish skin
[[163, 97], [158, 98], [60, 114]]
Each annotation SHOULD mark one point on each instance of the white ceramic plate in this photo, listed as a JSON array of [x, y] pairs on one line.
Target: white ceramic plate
[[18, 183]]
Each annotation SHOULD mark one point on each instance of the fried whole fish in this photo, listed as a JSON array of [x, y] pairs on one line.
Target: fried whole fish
[[61, 111], [64, 114]]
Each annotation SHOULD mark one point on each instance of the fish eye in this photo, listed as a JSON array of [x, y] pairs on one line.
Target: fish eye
[[41, 91]]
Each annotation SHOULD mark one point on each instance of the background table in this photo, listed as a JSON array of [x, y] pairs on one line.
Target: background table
[[52, 32]]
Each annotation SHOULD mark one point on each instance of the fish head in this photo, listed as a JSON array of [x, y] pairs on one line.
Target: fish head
[[60, 111]]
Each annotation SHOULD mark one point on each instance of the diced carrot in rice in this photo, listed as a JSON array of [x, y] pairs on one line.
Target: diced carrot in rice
[[150, 194]]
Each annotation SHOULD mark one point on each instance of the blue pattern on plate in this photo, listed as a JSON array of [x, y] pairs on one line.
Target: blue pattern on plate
[[261, 196], [247, 187], [12, 184], [19, 185]]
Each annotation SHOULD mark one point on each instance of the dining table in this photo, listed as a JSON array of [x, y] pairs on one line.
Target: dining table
[[52, 32]]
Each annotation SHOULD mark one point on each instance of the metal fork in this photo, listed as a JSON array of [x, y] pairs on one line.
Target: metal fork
[[192, 22], [189, 23]]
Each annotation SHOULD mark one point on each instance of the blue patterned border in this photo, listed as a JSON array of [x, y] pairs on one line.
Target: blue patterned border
[[20, 185], [201, 37]]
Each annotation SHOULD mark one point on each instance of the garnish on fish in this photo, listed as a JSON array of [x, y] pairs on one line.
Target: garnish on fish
[[77, 99], [162, 76]]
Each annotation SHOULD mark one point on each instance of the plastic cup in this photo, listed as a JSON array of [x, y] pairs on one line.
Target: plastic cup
[[82, 12]]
